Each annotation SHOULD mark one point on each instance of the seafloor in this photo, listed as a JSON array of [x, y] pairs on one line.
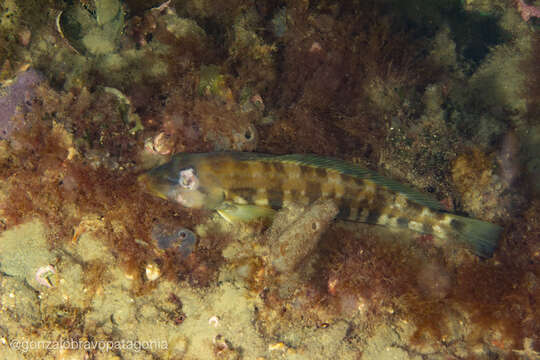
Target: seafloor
[[442, 95]]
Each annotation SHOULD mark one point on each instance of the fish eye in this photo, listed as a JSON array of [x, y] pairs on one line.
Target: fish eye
[[187, 179]]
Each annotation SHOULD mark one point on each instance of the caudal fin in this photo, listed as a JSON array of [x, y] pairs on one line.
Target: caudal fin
[[480, 236]]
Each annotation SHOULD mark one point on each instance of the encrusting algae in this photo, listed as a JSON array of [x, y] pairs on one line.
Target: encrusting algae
[[246, 186]]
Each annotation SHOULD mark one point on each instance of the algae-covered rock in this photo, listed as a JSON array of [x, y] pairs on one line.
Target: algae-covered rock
[[23, 250], [14, 97], [107, 11], [93, 31], [183, 28], [386, 344], [497, 81], [294, 234], [18, 300]]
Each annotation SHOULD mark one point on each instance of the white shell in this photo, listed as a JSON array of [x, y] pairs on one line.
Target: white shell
[[152, 271]]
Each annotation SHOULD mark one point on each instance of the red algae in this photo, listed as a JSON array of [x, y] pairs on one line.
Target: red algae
[[48, 179], [362, 276], [498, 295]]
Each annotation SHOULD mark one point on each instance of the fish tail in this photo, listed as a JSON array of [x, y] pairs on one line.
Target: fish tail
[[480, 236]]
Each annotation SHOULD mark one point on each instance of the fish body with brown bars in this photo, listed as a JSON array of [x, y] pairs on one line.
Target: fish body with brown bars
[[244, 186]]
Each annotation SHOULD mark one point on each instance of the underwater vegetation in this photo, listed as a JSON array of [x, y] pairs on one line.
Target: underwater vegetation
[[441, 95]]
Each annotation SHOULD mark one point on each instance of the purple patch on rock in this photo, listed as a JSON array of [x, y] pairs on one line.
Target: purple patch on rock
[[14, 99], [168, 236]]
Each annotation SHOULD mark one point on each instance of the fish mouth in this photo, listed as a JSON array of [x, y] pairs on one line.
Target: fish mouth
[[149, 185]]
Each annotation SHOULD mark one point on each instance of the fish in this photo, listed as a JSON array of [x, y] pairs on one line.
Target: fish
[[243, 186]]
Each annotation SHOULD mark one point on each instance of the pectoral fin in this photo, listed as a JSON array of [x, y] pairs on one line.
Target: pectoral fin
[[234, 213]]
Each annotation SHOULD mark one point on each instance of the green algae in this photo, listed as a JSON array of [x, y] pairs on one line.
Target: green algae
[[212, 82]]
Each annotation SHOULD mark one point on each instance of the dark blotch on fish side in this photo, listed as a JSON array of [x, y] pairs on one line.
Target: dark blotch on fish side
[[373, 216], [305, 171], [456, 225], [344, 211], [267, 167], [313, 190], [403, 222], [321, 173], [245, 193], [427, 228], [278, 167], [242, 166], [275, 198]]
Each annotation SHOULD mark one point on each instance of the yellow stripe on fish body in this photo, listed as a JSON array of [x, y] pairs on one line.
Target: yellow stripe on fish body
[[275, 181]]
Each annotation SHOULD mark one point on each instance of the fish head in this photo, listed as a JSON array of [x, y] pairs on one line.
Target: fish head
[[179, 181]]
